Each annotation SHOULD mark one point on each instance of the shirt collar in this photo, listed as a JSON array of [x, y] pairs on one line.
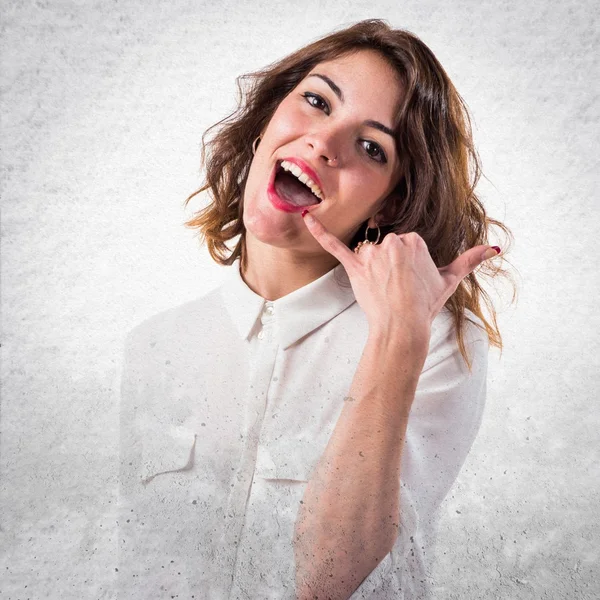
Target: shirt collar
[[298, 313]]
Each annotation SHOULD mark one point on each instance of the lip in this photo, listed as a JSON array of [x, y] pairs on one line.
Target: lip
[[280, 203]]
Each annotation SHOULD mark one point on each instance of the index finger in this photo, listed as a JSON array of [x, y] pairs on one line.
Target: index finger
[[328, 241]]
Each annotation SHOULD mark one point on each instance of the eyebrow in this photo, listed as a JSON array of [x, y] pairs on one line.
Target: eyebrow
[[338, 92]]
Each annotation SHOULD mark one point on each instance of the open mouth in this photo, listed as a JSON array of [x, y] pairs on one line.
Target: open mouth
[[289, 186]]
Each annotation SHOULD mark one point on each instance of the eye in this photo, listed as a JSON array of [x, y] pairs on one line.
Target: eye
[[375, 152], [310, 97]]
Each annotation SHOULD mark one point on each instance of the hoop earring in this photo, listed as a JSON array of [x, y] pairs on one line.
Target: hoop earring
[[366, 240], [255, 145]]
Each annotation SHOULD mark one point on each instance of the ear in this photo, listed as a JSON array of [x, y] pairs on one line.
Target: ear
[[374, 221], [386, 213]]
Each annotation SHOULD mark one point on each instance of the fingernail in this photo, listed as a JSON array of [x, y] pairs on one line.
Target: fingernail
[[307, 216], [491, 252]]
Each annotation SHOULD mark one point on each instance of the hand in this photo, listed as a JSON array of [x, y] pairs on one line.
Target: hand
[[397, 282]]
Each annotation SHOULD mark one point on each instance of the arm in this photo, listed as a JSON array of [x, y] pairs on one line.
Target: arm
[[347, 520], [342, 532]]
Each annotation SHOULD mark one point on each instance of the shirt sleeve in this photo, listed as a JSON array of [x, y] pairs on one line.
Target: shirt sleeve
[[129, 378], [445, 418]]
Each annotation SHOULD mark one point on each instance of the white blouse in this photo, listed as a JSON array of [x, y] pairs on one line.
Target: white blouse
[[228, 402]]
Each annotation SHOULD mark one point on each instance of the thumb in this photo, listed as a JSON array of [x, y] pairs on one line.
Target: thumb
[[470, 260]]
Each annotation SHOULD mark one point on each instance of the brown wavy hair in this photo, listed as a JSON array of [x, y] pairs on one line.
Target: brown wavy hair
[[440, 167]]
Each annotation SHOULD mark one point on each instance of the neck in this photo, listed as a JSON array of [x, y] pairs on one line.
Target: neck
[[273, 272]]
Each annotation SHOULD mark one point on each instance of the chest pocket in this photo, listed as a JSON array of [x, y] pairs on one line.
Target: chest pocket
[[166, 449]]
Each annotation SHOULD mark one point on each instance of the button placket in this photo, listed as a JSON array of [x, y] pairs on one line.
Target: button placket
[[266, 318], [256, 405]]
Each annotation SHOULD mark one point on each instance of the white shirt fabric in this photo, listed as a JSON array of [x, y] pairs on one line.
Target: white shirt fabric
[[228, 402]]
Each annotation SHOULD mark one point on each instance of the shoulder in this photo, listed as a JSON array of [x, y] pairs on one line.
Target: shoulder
[[443, 342], [443, 328], [173, 324], [450, 393]]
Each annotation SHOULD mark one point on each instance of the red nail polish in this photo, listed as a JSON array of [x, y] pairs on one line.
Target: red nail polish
[[497, 249], [306, 210]]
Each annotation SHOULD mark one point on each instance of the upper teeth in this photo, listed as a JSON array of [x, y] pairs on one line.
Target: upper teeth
[[303, 177]]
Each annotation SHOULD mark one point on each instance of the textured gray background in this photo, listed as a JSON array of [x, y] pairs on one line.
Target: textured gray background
[[103, 106]]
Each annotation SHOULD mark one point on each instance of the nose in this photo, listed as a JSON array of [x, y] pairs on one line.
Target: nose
[[324, 144]]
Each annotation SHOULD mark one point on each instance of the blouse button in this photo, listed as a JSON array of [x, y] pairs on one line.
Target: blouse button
[[261, 335], [270, 310]]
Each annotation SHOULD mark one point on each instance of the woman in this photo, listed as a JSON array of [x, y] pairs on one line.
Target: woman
[[292, 433]]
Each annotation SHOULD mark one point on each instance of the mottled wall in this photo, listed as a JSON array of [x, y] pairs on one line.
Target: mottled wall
[[103, 107]]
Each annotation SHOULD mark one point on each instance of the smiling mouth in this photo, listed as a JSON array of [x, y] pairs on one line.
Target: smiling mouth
[[291, 189]]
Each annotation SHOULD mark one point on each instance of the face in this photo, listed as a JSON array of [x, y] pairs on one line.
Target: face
[[344, 109]]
